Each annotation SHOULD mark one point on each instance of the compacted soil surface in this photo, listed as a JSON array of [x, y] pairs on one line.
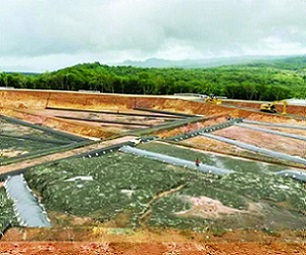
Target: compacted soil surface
[[151, 242]]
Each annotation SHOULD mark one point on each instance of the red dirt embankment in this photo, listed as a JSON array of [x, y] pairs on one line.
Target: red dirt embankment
[[37, 99], [82, 129], [152, 248], [291, 109], [150, 242], [33, 99], [27, 100], [23, 99]]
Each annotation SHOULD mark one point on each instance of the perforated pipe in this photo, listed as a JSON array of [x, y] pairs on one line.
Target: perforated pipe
[[176, 161], [298, 175], [274, 132], [28, 211], [282, 125], [250, 147]]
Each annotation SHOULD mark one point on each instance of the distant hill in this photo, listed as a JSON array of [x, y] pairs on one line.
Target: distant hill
[[25, 73], [291, 63], [213, 62], [268, 78]]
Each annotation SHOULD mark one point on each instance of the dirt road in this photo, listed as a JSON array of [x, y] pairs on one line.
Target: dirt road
[[62, 155]]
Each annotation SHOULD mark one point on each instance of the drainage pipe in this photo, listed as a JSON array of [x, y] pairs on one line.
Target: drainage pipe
[[114, 113], [176, 161], [274, 132], [297, 175], [37, 139], [205, 130], [250, 147], [105, 121], [44, 129], [184, 115], [281, 125], [28, 211]]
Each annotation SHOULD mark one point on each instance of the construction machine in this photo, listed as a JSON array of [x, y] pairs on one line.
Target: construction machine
[[212, 99], [271, 108]]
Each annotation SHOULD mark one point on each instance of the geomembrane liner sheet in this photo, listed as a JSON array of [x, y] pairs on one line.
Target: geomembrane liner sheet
[[176, 161], [27, 209]]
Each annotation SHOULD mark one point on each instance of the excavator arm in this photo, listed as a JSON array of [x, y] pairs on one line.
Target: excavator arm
[[213, 99], [271, 108]]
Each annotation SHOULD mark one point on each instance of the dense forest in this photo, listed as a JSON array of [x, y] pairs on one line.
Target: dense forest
[[265, 80]]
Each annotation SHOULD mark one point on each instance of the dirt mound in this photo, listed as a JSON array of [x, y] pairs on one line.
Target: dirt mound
[[207, 208]]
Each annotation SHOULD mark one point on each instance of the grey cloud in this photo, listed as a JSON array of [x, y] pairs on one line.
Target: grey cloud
[[115, 29]]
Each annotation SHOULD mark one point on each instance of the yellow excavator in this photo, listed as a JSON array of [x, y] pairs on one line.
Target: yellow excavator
[[271, 108], [213, 99]]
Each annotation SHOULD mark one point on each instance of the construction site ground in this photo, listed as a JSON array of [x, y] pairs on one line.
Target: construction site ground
[[234, 226]]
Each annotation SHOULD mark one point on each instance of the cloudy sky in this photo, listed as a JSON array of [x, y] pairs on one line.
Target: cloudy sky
[[40, 35]]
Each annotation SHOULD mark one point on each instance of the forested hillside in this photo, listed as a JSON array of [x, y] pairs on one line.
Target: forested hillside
[[265, 80]]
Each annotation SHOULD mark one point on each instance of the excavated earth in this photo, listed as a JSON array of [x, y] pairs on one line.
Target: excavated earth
[[207, 144], [291, 109], [286, 145], [31, 106]]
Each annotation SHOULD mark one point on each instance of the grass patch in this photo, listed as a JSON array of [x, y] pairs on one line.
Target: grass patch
[[124, 184], [7, 215]]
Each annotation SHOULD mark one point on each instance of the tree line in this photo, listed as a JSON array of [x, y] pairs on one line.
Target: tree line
[[256, 81]]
